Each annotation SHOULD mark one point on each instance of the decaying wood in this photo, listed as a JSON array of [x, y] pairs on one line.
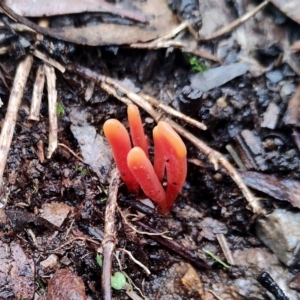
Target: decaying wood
[[14, 103], [109, 239]]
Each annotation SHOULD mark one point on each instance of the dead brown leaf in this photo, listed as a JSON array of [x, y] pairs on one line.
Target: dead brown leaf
[[163, 22], [291, 8], [32, 8], [279, 188]]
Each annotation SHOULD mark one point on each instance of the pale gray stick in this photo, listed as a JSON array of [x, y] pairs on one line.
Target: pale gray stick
[[52, 102], [14, 103], [37, 94]]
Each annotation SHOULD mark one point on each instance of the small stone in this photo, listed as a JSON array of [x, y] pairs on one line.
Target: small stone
[[271, 116], [55, 212], [279, 231], [65, 261], [287, 89], [51, 262], [192, 281], [221, 102], [274, 76], [295, 283]]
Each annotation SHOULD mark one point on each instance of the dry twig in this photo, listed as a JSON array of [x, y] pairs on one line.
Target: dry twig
[[52, 103], [109, 239], [141, 232], [179, 249], [14, 103], [37, 94], [49, 60], [235, 23], [173, 112], [225, 248], [71, 151], [136, 261]]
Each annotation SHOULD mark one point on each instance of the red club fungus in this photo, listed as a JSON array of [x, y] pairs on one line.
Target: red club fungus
[[119, 141], [142, 169], [174, 152], [159, 160], [135, 167], [139, 139]]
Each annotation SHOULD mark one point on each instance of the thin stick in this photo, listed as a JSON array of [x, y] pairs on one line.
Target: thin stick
[[75, 239], [235, 157], [12, 110], [235, 23], [214, 294], [52, 103], [18, 27], [142, 232], [40, 153], [109, 239], [162, 41], [173, 112], [214, 156], [224, 245], [179, 249], [136, 261], [49, 60], [71, 151], [37, 94]]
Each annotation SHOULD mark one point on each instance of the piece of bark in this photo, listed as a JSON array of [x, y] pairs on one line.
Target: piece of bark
[[291, 116], [279, 188], [255, 146]]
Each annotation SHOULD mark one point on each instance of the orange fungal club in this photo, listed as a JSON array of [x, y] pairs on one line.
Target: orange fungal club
[[119, 141], [139, 139], [142, 169], [134, 165]]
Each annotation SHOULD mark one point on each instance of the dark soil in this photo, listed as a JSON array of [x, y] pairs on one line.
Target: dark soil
[[64, 179]]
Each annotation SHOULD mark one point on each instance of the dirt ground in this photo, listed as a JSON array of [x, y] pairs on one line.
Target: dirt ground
[[52, 213]]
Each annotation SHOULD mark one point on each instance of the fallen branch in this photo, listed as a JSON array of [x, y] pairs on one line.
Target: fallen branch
[[14, 103], [109, 239]]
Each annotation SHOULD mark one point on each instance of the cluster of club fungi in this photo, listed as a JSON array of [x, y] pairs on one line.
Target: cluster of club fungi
[[136, 170]]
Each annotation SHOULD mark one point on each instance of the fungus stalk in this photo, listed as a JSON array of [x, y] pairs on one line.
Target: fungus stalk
[[119, 141]]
